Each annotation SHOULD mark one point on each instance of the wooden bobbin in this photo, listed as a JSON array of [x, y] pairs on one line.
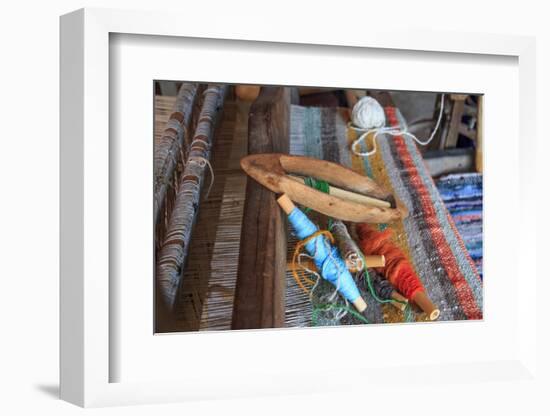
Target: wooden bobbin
[[287, 206], [360, 304], [400, 302], [424, 302], [372, 261]]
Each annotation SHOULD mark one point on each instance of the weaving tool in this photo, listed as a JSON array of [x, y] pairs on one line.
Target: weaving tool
[[326, 257], [272, 171], [371, 260], [383, 289], [175, 246], [398, 270]]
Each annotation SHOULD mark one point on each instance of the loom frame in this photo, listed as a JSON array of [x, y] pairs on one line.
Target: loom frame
[[85, 258]]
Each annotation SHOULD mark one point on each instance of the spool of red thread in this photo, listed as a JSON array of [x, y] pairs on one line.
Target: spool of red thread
[[397, 270]]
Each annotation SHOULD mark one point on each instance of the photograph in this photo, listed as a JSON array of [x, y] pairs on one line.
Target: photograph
[[302, 206], [283, 207]]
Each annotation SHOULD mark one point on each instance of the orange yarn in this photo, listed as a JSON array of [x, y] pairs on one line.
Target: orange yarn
[[398, 270], [297, 250]]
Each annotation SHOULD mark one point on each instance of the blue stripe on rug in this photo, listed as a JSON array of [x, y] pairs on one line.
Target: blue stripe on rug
[[463, 197]]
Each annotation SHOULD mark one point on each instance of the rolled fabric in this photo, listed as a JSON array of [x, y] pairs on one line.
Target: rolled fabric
[[326, 257]]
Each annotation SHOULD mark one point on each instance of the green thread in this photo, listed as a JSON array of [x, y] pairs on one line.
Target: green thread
[[317, 184], [327, 307], [324, 187], [369, 282], [407, 313]]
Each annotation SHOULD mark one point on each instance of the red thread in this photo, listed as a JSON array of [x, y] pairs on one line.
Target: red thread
[[463, 290], [398, 270]]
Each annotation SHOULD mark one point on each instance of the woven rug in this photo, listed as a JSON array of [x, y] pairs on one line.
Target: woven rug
[[463, 197], [428, 236]]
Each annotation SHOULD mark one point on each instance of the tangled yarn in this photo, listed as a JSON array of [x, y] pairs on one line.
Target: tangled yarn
[[327, 259], [382, 287], [398, 270]]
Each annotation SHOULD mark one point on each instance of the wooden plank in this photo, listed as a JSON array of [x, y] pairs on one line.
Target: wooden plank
[[456, 118], [479, 140], [442, 162], [260, 290]]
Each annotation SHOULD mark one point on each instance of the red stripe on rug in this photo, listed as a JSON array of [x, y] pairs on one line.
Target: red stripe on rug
[[394, 122], [448, 260]]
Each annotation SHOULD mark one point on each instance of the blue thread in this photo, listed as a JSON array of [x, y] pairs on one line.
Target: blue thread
[[326, 257]]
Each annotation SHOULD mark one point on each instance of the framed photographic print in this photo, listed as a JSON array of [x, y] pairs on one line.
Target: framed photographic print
[[255, 215]]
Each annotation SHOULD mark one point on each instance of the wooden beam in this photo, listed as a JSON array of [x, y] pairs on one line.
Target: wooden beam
[[456, 117], [174, 248], [260, 290], [442, 162], [479, 140]]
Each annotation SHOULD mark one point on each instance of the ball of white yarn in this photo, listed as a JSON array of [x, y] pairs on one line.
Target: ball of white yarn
[[368, 114]]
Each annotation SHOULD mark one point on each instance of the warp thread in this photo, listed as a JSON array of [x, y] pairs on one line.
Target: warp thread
[[368, 118], [182, 219], [397, 270], [330, 307]]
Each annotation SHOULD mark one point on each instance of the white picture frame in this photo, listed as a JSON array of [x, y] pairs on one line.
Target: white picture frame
[[87, 355]]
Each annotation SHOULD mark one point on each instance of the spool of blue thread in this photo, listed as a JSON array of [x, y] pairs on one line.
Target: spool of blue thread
[[326, 257]]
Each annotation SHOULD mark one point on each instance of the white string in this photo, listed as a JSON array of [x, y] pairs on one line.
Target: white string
[[392, 131], [202, 163]]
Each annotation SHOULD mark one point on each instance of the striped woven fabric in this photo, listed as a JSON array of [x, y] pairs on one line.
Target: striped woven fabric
[[463, 197], [428, 235]]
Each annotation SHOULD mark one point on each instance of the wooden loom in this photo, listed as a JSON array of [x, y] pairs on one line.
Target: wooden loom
[[219, 289], [250, 287]]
